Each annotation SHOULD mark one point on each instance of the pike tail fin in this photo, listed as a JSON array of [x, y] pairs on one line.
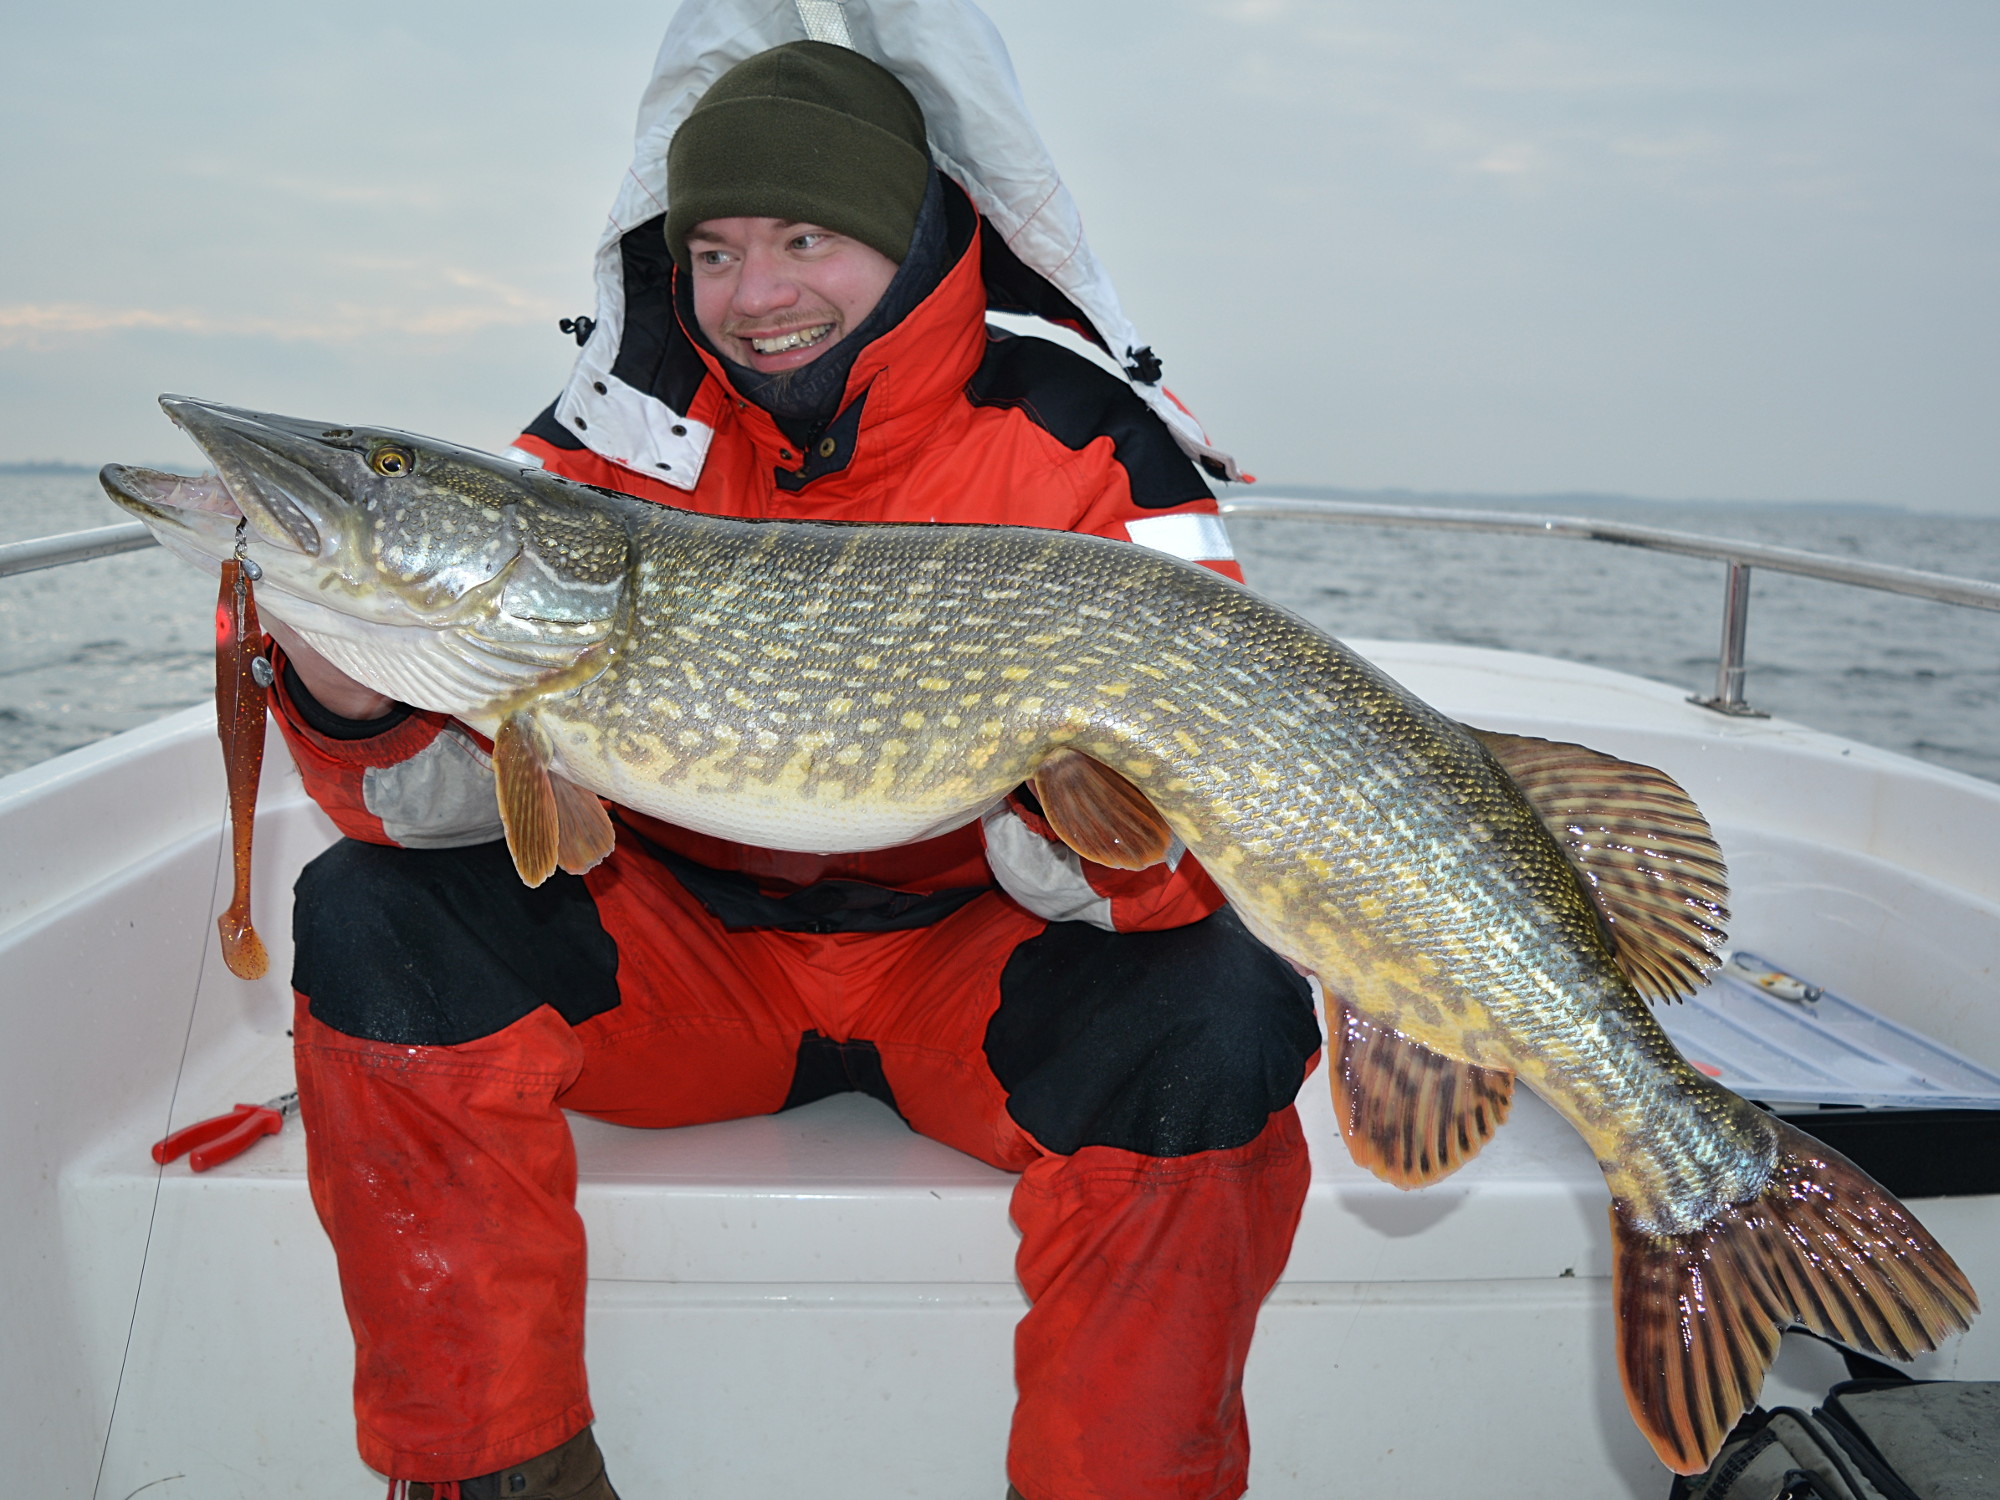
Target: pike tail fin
[[1822, 1245]]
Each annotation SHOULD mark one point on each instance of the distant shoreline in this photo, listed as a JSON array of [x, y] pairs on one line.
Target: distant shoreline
[[51, 466], [1550, 503]]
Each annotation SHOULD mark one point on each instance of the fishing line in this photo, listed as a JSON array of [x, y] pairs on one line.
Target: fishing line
[[173, 1100], [160, 1172]]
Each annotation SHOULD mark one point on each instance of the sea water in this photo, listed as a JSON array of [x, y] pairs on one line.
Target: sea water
[[98, 647]]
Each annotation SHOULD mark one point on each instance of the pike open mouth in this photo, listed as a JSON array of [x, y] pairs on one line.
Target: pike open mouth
[[171, 492], [194, 516], [790, 339]]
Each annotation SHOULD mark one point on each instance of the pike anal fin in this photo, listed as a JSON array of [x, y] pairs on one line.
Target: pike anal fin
[[1100, 814], [1823, 1245], [1408, 1114], [551, 822]]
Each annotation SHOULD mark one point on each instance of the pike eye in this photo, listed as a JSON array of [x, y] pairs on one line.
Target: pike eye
[[392, 461]]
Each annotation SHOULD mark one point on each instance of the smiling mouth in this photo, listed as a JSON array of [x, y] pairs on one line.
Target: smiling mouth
[[790, 339]]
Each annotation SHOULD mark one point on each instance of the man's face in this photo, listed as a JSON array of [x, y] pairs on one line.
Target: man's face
[[775, 295]]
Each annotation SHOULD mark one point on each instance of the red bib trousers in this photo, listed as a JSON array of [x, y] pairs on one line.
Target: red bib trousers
[[445, 1175]]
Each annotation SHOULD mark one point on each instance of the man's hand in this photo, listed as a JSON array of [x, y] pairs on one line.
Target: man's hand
[[332, 688]]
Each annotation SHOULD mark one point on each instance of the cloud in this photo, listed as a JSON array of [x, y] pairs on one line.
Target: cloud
[[245, 181], [491, 303]]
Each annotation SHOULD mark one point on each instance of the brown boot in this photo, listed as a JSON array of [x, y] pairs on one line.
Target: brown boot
[[575, 1471]]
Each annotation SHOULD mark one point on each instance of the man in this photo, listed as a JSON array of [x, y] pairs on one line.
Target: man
[[1114, 1037]]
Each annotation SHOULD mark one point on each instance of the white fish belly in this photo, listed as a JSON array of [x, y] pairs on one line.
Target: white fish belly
[[769, 816]]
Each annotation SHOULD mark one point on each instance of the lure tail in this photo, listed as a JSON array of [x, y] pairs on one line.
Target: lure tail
[[1823, 1245], [240, 712]]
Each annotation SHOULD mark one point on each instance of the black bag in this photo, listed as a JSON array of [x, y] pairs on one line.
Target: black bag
[[1878, 1436]]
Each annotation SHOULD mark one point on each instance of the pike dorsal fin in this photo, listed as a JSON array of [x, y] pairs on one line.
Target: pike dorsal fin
[[1100, 814], [1408, 1114], [550, 821], [1645, 852]]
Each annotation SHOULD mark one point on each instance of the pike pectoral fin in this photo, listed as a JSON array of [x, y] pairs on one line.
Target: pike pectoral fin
[[1100, 814], [1408, 1114], [551, 822], [1699, 1314], [527, 799], [1645, 852]]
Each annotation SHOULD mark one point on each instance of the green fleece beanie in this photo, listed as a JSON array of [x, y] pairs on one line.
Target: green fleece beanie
[[807, 132]]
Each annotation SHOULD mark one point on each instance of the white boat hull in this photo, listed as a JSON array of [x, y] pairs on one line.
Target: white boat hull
[[822, 1299]]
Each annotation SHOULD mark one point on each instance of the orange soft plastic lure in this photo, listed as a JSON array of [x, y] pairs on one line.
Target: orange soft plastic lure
[[241, 675]]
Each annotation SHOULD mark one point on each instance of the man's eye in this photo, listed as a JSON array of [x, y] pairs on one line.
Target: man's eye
[[808, 241]]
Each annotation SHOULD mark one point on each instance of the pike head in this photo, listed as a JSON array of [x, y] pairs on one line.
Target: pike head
[[446, 578]]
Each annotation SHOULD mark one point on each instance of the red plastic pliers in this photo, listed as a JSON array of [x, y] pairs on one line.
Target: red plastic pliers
[[211, 1142]]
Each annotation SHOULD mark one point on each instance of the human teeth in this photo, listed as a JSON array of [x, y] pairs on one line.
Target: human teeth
[[796, 338]]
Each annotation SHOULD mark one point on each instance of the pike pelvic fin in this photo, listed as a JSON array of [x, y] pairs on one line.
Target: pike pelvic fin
[[551, 822], [1100, 814], [584, 831], [1408, 1114], [1822, 1245], [1644, 851]]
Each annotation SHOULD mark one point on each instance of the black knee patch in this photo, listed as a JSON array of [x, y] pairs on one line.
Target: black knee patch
[[1162, 1043], [432, 947]]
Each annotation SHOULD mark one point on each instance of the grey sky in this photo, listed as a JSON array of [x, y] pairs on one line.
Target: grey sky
[[1692, 249]]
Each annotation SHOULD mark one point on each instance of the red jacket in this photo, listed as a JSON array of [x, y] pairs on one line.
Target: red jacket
[[943, 420]]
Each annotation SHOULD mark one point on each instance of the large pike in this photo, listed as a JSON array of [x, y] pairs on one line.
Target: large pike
[[1480, 908]]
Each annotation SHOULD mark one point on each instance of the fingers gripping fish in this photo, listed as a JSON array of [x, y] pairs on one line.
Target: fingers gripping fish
[[1486, 908]]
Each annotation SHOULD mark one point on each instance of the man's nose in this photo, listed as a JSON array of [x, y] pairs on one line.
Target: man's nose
[[764, 287]]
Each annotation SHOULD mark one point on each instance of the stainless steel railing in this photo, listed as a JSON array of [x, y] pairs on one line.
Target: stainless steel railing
[[73, 546], [1740, 559]]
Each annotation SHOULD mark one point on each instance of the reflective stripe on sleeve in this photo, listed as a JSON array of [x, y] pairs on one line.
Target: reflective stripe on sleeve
[[1192, 535]]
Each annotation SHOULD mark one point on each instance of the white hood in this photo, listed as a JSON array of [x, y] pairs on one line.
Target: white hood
[[950, 56]]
